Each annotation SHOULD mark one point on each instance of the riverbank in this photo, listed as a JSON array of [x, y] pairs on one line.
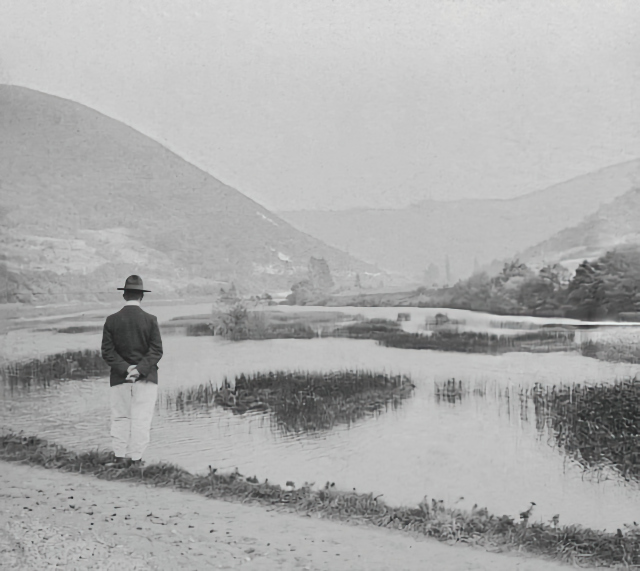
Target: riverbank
[[478, 527], [77, 521]]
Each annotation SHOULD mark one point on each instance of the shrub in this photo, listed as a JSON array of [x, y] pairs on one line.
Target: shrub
[[199, 329]]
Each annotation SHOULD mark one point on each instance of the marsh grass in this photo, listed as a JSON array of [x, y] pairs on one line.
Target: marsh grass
[[256, 327], [368, 329], [597, 425], [287, 330], [615, 352], [61, 366], [312, 318], [517, 325], [301, 401], [573, 544], [475, 342], [239, 324], [74, 329], [442, 322], [450, 391], [190, 318], [297, 325]]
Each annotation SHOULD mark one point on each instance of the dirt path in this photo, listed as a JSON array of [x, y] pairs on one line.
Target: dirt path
[[51, 519]]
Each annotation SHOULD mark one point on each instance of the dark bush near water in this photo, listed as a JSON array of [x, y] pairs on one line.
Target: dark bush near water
[[61, 366], [302, 402], [473, 342]]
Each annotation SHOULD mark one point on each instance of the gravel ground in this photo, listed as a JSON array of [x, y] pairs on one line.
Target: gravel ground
[[56, 520]]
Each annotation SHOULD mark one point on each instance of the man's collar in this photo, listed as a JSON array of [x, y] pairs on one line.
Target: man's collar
[[133, 302]]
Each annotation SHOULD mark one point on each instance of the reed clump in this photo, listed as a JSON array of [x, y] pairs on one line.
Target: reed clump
[[301, 401], [518, 325], [598, 425], [615, 352], [573, 543], [368, 329], [450, 391], [478, 342], [61, 366], [291, 330], [74, 329]]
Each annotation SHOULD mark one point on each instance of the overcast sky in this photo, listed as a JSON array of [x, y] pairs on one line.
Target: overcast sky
[[353, 103]]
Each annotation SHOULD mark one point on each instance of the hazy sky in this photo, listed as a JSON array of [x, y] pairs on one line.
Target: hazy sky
[[320, 104]]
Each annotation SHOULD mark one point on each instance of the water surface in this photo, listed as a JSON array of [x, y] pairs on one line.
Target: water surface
[[485, 448]]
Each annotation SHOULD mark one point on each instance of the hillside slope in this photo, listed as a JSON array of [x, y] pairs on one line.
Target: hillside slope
[[86, 200], [467, 231], [612, 226]]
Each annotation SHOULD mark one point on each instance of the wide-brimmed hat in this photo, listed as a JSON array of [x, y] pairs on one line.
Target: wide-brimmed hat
[[134, 283]]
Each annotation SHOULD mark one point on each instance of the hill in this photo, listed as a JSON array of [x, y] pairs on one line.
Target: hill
[[87, 200], [470, 232], [612, 226]]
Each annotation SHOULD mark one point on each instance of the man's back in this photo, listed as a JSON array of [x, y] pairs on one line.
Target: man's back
[[132, 337]]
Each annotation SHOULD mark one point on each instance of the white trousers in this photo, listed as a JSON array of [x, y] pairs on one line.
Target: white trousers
[[132, 406]]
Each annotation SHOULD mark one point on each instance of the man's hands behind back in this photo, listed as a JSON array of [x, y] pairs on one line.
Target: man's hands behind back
[[133, 374]]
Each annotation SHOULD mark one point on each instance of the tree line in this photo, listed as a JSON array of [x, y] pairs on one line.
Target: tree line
[[599, 289]]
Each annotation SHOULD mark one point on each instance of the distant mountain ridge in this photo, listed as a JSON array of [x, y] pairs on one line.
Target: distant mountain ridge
[[471, 233], [87, 200], [613, 226]]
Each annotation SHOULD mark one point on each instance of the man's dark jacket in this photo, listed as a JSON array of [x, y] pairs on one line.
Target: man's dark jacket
[[132, 337]]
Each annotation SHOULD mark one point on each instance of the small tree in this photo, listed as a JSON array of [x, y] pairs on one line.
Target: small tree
[[320, 275], [233, 323]]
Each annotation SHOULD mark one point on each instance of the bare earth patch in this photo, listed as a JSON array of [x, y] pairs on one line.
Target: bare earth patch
[[51, 519]]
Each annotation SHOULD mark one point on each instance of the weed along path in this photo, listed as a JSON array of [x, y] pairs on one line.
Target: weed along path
[[53, 519]]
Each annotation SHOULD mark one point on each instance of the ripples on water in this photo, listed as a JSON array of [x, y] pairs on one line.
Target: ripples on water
[[482, 446]]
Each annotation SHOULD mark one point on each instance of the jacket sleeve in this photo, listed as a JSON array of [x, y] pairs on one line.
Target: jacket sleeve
[[154, 354], [109, 353]]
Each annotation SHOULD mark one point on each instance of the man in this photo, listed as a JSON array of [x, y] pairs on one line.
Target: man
[[132, 347]]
